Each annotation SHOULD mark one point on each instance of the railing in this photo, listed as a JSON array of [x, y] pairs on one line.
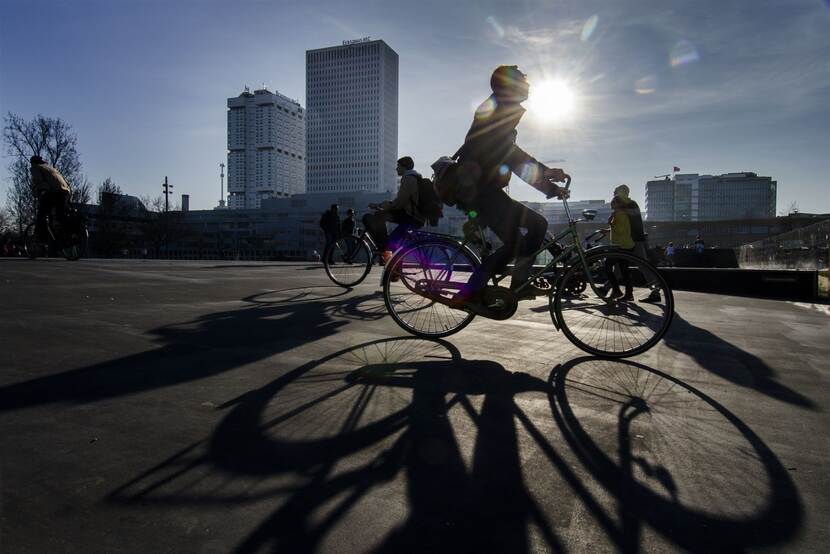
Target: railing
[[803, 249]]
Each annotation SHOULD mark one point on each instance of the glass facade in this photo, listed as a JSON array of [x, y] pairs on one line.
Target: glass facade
[[693, 197]]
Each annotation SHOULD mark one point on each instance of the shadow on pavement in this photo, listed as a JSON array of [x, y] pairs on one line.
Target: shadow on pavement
[[377, 425], [677, 462], [274, 322], [730, 362]]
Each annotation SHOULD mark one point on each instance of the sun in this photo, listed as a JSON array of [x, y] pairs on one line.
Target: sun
[[552, 101]]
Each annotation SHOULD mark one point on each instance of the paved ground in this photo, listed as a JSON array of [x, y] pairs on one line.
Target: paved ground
[[214, 407]]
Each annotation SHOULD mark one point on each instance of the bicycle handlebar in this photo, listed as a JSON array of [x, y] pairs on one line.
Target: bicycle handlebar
[[567, 186]]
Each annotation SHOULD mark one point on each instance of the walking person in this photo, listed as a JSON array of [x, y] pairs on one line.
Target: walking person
[[330, 224], [623, 220], [670, 254], [700, 246], [347, 228]]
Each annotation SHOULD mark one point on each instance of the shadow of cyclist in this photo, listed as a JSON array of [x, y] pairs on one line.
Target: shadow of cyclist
[[483, 506]]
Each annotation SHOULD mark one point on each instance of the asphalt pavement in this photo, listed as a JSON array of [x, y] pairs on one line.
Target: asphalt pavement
[[151, 406]]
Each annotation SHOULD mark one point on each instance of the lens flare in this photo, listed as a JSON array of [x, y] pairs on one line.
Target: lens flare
[[589, 28], [682, 53], [552, 100], [646, 85], [485, 109]]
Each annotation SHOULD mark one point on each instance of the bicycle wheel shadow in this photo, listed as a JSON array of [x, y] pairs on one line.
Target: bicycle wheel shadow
[[368, 424], [673, 459]]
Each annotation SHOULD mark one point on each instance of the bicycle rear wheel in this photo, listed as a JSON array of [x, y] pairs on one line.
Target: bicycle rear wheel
[[631, 313], [420, 278], [33, 248], [348, 261]]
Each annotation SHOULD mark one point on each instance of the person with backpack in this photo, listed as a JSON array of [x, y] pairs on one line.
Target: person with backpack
[[330, 224], [51, 191], [485, 163], [403, 210]]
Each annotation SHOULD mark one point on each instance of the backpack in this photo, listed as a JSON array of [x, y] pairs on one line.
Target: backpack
[[455, 182], [444, 174], [429, 203]]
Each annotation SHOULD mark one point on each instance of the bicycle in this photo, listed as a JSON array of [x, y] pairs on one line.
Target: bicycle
[[421, 292], [69, 239], [349, 259]]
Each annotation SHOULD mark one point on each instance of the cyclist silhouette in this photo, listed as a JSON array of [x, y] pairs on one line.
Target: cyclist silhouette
[[486, 160]]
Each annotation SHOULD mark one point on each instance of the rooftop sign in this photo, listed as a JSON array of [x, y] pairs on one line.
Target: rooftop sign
[[356, 41]]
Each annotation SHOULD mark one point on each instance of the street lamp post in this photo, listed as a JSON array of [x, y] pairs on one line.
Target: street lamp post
[[221, 185]]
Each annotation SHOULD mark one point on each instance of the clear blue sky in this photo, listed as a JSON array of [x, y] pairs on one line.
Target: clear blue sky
[[706, 85]]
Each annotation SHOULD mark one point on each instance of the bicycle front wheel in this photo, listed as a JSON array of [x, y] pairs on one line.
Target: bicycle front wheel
[[628, 310], [76, 244], [348, 261], [418, 282], [33, 248]]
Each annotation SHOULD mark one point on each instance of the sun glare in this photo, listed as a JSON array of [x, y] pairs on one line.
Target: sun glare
[[552, 101]]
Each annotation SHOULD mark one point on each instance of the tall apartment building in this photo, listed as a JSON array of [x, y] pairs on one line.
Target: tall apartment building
[[693, 197], [266, 148], [352, 126]]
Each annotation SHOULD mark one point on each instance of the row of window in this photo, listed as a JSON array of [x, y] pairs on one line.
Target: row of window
[[344, 53]]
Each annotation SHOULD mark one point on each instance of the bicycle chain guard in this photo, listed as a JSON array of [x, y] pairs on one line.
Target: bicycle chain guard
[[496, 302]]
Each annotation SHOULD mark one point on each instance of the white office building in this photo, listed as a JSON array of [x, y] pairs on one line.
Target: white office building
[[352, 125], [266, 148]]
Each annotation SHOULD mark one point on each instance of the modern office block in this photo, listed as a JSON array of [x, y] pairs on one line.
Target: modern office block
[[352, 126], [693, 197]]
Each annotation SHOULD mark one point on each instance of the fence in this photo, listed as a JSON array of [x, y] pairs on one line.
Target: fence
[[803, 249]]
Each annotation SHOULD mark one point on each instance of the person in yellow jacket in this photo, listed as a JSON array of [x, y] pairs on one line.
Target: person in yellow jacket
[[51, 190], [626, 231]]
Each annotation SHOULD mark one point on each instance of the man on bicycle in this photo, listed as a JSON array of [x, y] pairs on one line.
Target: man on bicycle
[[486, 160], [52, 191], [403, 210]]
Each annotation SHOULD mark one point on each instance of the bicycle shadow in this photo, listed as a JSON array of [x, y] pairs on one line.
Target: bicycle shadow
[[474, 501], [378, 427], [209, 345], [701, 493]]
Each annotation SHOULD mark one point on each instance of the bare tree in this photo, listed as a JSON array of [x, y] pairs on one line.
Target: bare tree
[[6, 222], [110, 236], [81, 191], [108, 186], [50, 138], [792, 208]]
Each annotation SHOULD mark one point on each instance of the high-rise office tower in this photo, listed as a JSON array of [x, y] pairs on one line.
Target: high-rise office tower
[[266, 148], [352, 125]]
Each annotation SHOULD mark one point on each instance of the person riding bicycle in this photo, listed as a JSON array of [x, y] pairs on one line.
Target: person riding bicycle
[[486, 160], [52, 191], [403, 210]]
